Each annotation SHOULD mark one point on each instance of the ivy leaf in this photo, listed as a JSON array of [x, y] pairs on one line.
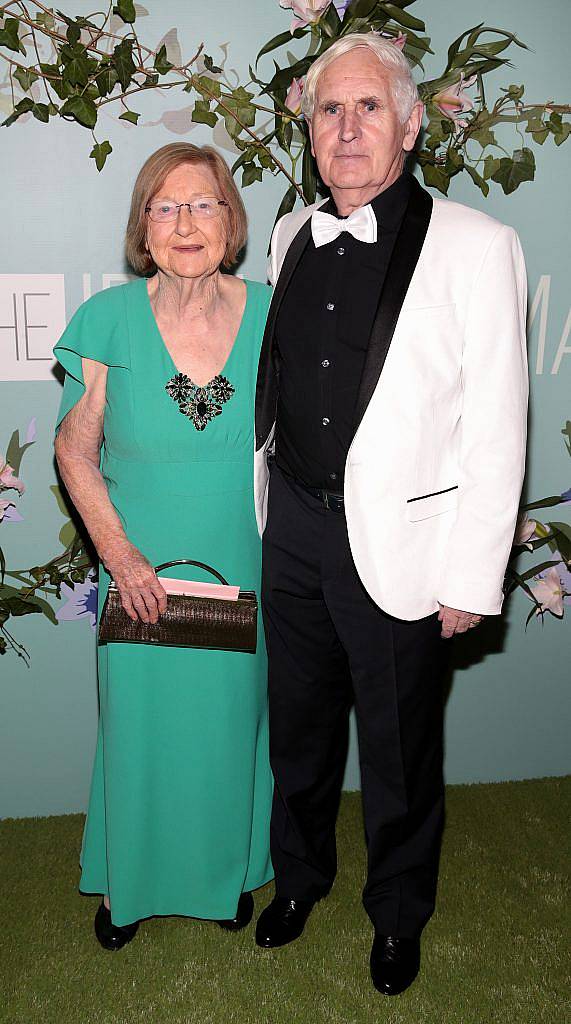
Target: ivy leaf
[[129, 115], [477, 179], [81, 109], [484, 136], [515, 92], [73, 33], [99, 153], [211, 66], [106, 80], [202, 114], [76, 65], [123, 62], [126, 10], [25, 78], [23, 107], [161, 64], [436, 177], [251, 173], [9, 36], [454, 162], [207, 87], [512, 171], [47, 20], [491, 164]]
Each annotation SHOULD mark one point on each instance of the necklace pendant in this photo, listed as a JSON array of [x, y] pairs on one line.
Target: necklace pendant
[[200, 404]]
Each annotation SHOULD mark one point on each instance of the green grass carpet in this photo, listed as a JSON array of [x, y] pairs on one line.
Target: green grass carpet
[[496, 950]]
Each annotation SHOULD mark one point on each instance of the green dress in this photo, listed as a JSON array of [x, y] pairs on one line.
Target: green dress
[[178, 819]]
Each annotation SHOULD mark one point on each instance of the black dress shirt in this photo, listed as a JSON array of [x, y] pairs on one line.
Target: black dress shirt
[[322, 334]]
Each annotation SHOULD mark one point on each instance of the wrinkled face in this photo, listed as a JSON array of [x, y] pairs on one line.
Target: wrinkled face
[[186, 247], [356, 135]]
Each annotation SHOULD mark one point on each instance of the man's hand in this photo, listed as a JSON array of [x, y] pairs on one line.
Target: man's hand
[[455, 621]]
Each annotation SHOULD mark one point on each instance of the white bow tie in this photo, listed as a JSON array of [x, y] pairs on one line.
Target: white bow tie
[[362, 224]]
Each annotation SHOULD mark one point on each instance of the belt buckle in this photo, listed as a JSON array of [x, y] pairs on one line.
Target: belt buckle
[[325, 498]]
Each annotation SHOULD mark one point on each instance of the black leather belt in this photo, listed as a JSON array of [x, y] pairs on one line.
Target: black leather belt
[[334, 502]]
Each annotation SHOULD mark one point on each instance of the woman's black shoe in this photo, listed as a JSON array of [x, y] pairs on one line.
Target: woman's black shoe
[[110, 935], [243, 914]]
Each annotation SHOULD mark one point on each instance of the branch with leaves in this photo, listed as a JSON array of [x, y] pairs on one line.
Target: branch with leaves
[[99, 60]]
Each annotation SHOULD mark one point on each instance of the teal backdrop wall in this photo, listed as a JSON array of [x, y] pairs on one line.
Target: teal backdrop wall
[[508, 709]]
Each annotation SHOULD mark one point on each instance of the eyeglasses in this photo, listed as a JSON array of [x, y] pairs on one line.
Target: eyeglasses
[[203, 208]]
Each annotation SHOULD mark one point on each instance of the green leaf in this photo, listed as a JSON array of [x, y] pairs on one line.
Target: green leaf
[[211, 66], [484, 136], [126, 10], [9, 36], [76, 65], [308, 177], [23, 107], [250, 174], [129, 115], [491, 164], [99, 153], [80, 109], [563, 528], [46, 609], [73, 33], [515, 92], [207, 87], [19, 606], [15, 451], [67, 534], [123, 62], [287, 204], [2, 566], [477, 179], [555, 499], [202, 114], [513, 171], [280, 40], [161, 64], [561, 134], [404, 19], [436, 177], [106, 80], [454, 162], [25, 78], [360, 9], [47, 20], [61, 503], [537, 569]]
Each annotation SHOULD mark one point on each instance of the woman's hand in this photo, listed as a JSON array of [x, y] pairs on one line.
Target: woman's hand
[[142, 595]]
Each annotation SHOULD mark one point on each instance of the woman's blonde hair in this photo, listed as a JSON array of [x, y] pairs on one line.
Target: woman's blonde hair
[[150, 179]]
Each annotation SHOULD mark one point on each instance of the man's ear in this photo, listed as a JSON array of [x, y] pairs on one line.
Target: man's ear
[[412, 127]]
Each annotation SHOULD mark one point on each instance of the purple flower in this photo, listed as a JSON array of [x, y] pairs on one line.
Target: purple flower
[[341, 6], [11, 514], [81, 602]]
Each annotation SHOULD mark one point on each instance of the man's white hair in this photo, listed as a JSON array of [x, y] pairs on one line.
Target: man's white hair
[[403, 86]]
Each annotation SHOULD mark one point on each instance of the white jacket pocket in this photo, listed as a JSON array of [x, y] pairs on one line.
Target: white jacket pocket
[[427, 505]]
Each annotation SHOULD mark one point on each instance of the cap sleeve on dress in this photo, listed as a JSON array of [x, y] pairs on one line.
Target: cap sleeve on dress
[[99, 331]]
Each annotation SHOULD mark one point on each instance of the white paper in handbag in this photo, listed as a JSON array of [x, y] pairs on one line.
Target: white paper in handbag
[[191, 588]]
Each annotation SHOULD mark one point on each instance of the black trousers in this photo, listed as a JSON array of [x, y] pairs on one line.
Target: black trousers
[[329, 647]]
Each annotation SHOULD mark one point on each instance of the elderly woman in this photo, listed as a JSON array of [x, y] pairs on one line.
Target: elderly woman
[[155, 445]]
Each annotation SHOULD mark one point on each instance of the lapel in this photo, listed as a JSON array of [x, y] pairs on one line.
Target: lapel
[[267, 384], [406, 252]]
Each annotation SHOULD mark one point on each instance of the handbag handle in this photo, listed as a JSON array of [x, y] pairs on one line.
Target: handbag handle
[[190, 561]]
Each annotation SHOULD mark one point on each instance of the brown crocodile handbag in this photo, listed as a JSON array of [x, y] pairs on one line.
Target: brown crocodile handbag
[[212, 623]]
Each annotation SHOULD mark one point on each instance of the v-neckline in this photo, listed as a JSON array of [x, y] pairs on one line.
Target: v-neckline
[[165, 348]]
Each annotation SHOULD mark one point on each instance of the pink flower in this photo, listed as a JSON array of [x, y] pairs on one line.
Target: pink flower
[[548, 591], [8, 481], [293, 98], [305, 12], [452, 101], [399, 41], [524, 531]]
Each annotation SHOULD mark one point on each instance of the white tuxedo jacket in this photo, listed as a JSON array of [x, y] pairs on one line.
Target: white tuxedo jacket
[[435, 468]]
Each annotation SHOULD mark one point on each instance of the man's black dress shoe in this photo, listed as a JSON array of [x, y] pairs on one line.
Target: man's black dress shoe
[[110, 935], [282, 921], [244, 914], [394, 963]]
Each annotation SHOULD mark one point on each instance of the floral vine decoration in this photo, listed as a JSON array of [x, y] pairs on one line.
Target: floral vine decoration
[[72, 67], [548, 584], [29, 590]]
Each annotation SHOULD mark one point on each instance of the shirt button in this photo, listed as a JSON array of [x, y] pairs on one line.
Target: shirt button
[[325, 363], [340, 251], [326, 421], [333, 476], [330, 305]]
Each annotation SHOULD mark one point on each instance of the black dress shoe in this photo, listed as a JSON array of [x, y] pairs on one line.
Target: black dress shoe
[[244, 914], [282, 922], [110, 935], [394, 963]]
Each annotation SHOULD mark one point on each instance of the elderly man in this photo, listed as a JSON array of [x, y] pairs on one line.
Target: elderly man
[[391, 396]]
